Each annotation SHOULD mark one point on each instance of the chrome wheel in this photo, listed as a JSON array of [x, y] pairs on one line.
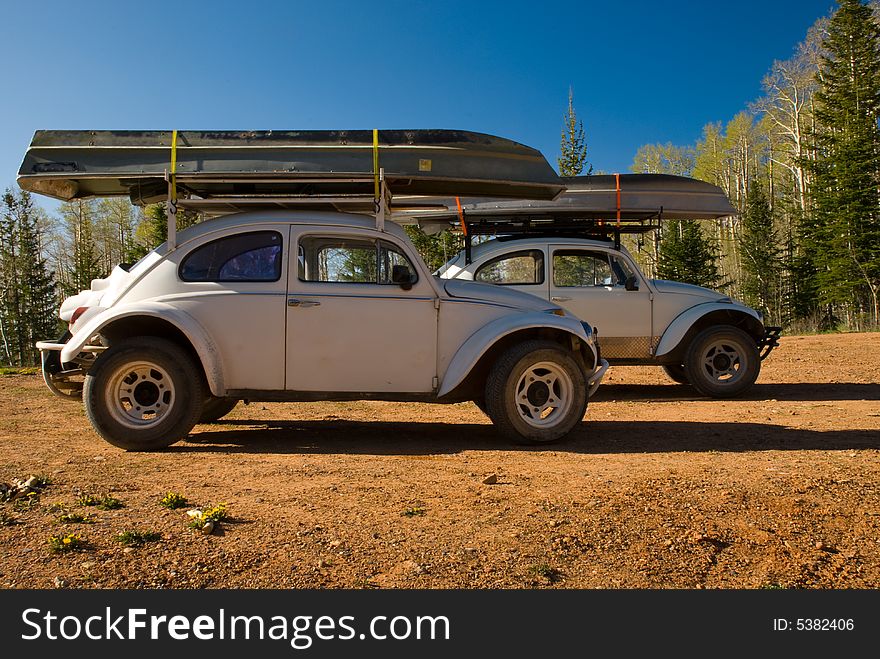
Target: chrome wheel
[[139, 394], [543, 394]]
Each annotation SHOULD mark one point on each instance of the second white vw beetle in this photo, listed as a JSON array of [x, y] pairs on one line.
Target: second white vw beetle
[[699, 336]]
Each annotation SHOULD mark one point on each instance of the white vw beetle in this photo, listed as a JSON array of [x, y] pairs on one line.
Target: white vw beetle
[[294, 300], [697, 335], [297, 305]]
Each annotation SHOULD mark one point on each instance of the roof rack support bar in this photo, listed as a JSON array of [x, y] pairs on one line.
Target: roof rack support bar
[[171, 210], [382, 201], [464, 230], [171, 216], [617, 185]]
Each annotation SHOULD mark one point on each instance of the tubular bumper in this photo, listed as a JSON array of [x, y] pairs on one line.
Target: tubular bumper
[[63, 380], [769, 341], [596, 378]]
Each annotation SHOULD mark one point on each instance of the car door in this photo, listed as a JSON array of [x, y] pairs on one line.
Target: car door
[[234, 286], [349, 328], [591, 283]]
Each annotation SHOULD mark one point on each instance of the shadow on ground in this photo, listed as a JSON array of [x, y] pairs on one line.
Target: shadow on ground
[[802, 391], [592, 437]]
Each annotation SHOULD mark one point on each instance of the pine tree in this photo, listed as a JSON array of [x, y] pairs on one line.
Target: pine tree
[[760, 252], [27, 307], [39, 296], [842, 234], [573, 158], [688, 256], [10, 278]]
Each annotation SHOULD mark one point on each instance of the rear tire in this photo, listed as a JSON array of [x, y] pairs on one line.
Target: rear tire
[[536, 393], [722, 362], [215, 408], [676, 373], [143, 394]]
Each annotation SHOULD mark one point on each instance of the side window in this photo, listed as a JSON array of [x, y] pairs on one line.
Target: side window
[[254, 256], [526, 267], [582, 268], [332, 259]]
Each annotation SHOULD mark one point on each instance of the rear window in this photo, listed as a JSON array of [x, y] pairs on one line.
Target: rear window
[[525, 267], [254, 256]]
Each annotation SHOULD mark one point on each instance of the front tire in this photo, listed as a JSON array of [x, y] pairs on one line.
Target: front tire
[[722, 362], [143, 394], [536, 393]]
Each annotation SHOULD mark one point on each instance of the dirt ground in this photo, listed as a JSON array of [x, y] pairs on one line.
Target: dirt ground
[[658, 488]]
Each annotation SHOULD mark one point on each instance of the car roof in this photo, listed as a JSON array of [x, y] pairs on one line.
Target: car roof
[[304, 217]]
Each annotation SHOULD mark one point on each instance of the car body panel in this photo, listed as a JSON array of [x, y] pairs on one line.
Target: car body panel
[[206, 348], [340, 335]]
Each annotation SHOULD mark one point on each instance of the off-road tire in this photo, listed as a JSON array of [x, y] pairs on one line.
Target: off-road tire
[[729, 341], [215, 408], [173, 373], [501, 392], [676, 373]]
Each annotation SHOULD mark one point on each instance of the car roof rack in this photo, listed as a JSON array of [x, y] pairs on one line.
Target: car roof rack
[[217, 172], [599, 207]]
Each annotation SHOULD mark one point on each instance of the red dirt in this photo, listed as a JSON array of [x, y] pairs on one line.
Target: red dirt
[[658, 488]]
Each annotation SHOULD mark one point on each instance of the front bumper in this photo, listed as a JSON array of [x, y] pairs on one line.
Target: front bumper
[[769, 341]]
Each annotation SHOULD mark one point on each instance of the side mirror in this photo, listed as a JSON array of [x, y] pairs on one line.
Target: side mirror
[[632, 283], [401, 275]]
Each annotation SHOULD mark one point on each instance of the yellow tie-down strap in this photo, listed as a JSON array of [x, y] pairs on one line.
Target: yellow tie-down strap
[[174, 166]]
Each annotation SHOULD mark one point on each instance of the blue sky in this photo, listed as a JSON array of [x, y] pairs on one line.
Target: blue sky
[[641, 71]]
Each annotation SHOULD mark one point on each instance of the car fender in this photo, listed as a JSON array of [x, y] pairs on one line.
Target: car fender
[[679, 327], [204, 346], [476, 345]]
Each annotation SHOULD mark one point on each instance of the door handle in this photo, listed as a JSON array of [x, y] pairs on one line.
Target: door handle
[[294, 302], [560, 298]]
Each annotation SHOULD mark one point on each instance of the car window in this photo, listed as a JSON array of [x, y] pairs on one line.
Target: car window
[[525, 267], [253, 256], [332, 259], [582, 268]]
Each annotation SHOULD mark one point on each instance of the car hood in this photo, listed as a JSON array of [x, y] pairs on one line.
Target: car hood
[[471, 290], [666, 286]]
